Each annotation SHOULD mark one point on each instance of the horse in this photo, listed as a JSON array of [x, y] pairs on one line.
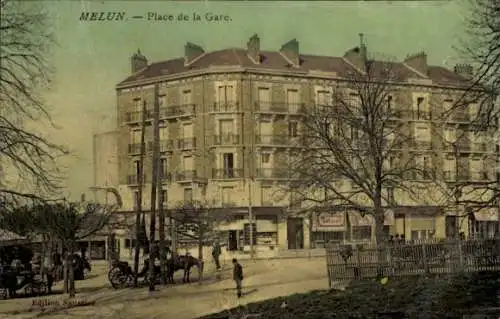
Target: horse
[[183, 262]]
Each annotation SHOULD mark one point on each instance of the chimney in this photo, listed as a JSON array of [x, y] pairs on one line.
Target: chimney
[[464, 70], [253, 49], [417, 61], [191, 53], [138, 61], [358, 55], [290, 51]]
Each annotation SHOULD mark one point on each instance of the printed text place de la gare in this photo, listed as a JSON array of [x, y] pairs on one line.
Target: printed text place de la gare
[[153, 16]]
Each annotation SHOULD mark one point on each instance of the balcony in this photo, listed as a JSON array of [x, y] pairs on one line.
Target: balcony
[[227, 173], [274, 173], [478, 147], [225, 107], [134, 149], [277, 140], [226, 139], [176, 111], [166, 146], [134, 179], [135, 117], [481, 176], [421, 145], [449, 175], [422, 115], [279, 107], [166, 177], [186, 143], [459, 116], [188, 176]]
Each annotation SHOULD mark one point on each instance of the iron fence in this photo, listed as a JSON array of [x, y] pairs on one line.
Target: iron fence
[[365, 261]]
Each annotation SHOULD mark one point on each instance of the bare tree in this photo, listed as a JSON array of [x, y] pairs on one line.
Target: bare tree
[[72, 222], [25, 40], [355, 143], [196, 222], [482, 48]]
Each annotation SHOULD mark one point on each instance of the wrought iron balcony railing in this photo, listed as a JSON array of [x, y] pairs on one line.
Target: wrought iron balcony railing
[[186, 143], [278, 107], [173, 111], [134, 179], [226, 139], [225, 107], [274, 173], [227, 173]]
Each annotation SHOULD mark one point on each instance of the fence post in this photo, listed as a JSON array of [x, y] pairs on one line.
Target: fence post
[[357, 269], [460, 254], [424, 258]]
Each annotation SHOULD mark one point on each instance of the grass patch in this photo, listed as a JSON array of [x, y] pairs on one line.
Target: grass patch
[[415, 297]]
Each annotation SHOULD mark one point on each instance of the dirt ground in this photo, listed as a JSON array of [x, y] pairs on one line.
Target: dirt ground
[[264, 279]]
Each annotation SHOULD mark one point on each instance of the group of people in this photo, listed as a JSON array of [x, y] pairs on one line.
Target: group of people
[[237, 268]]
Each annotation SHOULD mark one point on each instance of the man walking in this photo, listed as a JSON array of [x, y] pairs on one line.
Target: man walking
[[216, 252], [237, 276]]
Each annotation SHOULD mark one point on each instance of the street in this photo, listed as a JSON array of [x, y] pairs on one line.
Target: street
[[264, 279]]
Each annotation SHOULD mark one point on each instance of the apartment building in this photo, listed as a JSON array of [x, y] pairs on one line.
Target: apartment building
[[230, 118]]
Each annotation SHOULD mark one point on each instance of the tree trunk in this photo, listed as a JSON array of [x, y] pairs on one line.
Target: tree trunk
[[43, 255], [65, 272], [380, 238], [200, 261]]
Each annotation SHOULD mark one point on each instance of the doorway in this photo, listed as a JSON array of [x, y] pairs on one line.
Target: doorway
[[233, 240], [295, 233]]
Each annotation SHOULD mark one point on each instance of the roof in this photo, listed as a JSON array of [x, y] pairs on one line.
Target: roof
[[275, 61]]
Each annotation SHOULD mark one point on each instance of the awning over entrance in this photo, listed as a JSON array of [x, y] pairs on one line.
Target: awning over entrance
[[328, 221], [488, 214], [367, 220]]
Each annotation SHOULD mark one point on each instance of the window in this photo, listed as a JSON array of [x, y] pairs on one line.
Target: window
[[361, 232], [266, 197], [389, 104], [226, 128], [450, 168], [136, 199], [423, 165], [228, 159], [450, 135], [162, 100], [323, 98], [390, 195], [163, 133], [476, 169], [187, 130], [188, 195], [137, 168], [292, 96], [163, 166], [292, 129], [226, 195], [265, 158], [129, 243], [163, 197], [187, 163], [135, 136], [187, 97], [137, 105], [264, 95], [421, 113], [225, 94]]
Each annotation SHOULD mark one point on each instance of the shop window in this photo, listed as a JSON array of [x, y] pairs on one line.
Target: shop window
[[361, 232]]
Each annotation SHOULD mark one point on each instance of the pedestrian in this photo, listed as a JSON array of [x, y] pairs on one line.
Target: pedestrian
[[237, 276], [216, 252]]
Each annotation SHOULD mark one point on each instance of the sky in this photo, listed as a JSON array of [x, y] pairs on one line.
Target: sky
[[93, 56]]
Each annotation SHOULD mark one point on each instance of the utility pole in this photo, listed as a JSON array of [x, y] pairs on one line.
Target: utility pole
[[154, 184], [161, 217], [457, 193], [250, 216], [140, 183]]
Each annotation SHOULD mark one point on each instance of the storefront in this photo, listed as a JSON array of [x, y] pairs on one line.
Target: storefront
[[484, 223], [328, 227]]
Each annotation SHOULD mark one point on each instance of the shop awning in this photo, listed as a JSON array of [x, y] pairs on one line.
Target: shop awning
[[488, 214], [328, 221], [367, 220]]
